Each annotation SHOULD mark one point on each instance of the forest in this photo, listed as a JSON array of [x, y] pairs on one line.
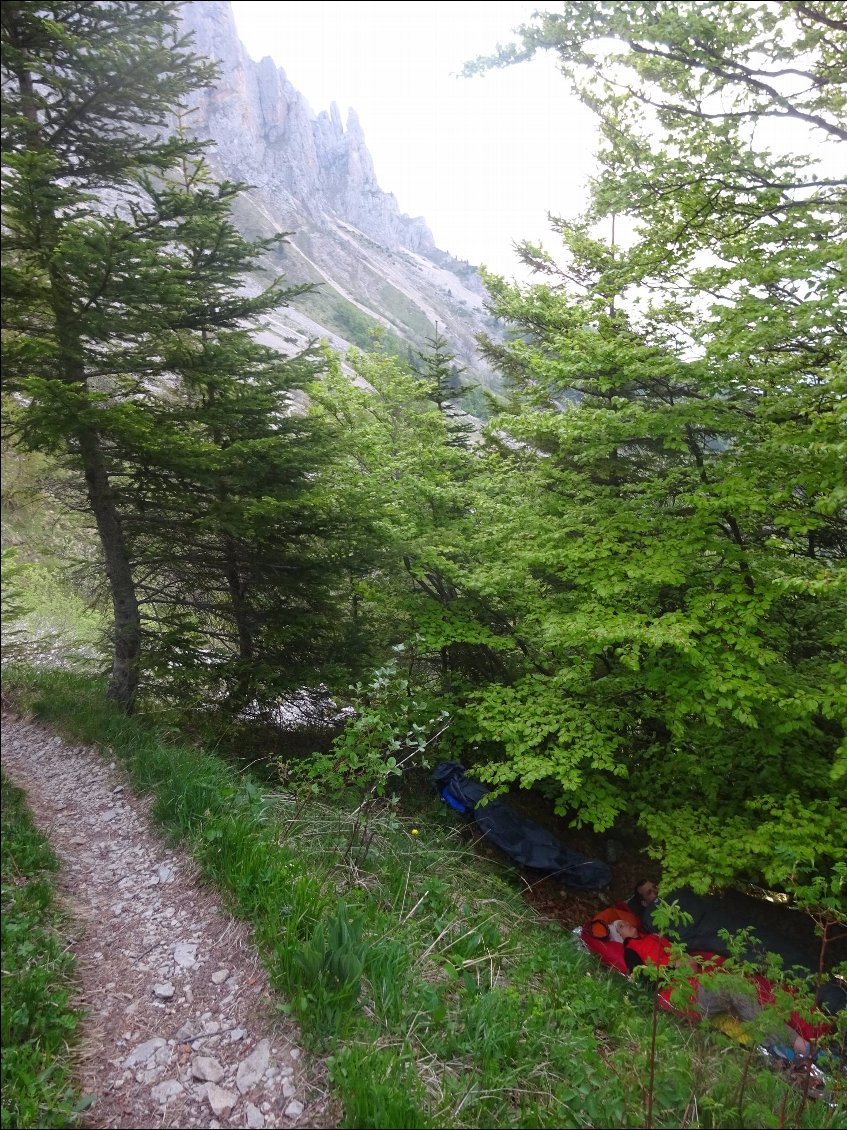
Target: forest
[[622, 594]]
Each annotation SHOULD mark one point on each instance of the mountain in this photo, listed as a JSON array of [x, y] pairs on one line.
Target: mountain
[[312, 176]]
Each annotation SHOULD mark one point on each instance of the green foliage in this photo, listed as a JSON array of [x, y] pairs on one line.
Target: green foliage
[[331, 963], [14, 604], [86, 90], [381, 1089], [38, 1022], [220, 506], [661, 523], [47, 614], [445, 388], [401, 485], [45, 619], [391, 734], [129, 355], [418, 496], [780, 837], [327, 307], [391, 730]]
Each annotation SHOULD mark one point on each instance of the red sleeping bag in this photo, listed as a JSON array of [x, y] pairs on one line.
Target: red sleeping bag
[[611, 953], [595, 934], [805, 1028]]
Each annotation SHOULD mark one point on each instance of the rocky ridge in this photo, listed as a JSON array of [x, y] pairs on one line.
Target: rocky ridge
[[313, 176], [308, 163]]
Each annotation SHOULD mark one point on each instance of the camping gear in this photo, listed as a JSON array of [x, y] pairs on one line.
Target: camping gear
[[771, 924], [612, 954], [519, 837]]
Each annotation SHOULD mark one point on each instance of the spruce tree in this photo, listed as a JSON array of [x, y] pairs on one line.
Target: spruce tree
[[443, 377], [128, 352], [219, 489], [86, 90]]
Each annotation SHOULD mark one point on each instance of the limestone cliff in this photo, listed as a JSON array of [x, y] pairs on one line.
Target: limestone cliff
[[314, 177]]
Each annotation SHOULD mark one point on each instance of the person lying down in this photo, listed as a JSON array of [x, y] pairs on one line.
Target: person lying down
[[654, 949]]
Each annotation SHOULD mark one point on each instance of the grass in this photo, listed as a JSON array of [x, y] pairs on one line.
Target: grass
[[414, 967], [38, 1021]]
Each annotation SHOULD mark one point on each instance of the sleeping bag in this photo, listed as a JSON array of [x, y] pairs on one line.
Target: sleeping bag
[[519, 837], [734, 911]]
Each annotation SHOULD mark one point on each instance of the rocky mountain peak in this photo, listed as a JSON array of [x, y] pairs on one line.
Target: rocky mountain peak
[[312, 175], [268, 135]]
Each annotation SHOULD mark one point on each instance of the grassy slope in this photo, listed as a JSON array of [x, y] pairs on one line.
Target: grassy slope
[[49, 575], [437, 997], [38, 1021]]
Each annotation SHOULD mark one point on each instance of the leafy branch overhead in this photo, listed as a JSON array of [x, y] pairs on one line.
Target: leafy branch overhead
[[675, 547]]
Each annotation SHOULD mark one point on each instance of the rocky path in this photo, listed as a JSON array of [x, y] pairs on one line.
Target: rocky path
[[180, 1031]]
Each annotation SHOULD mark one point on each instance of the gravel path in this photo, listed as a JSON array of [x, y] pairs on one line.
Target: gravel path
[[180, 1032]]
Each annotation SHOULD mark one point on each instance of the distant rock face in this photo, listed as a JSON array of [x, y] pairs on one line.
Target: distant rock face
[[266, 130], [314, 177]]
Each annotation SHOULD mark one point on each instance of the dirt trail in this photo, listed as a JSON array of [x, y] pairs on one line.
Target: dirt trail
[[180, 1031]]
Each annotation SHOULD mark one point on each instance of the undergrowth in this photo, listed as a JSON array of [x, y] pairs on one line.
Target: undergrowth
[[414, 967], [38, 1021]]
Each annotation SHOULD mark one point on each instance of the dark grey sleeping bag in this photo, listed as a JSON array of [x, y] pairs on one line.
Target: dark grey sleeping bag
[[522, 839]]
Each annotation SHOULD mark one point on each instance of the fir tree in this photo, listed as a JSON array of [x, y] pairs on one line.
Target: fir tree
[[86, 88], [219, 493], [127, 348], [443, 377]]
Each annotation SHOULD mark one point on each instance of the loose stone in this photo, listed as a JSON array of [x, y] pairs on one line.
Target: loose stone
[[167, 1090], [255, 1118], [144, 1051], [206, 1068], [219, 1100], [185, 954], [251, 1069]]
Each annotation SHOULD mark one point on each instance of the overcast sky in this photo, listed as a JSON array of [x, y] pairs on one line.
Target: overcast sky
[[483, 160]]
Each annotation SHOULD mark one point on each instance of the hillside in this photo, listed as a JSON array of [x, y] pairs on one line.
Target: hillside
[[425, 992], [312, 176]]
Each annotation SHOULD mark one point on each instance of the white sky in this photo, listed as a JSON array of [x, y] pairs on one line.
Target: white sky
[[483, 160]]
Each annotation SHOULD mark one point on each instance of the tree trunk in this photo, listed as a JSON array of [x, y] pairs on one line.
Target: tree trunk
[[244, 690], [123, 683]]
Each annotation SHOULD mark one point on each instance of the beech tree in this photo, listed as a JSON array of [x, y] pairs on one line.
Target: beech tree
[[407, 489], [668, 510]]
